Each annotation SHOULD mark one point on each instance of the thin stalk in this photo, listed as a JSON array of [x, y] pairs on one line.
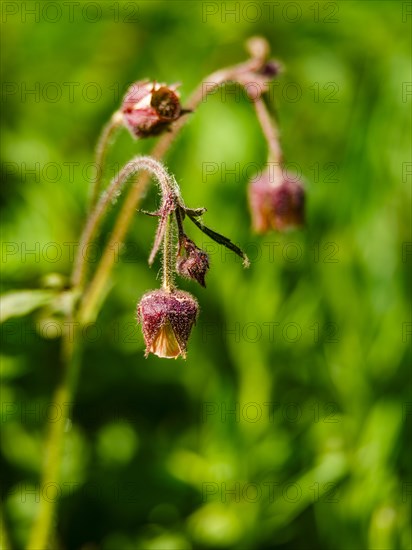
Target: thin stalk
[[4, 538], [166, 184], [103, 143], [168, 267], [269, 130], [62, 398], [179, 223]]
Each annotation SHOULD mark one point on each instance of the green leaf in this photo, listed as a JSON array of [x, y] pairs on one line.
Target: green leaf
[[23, 302]]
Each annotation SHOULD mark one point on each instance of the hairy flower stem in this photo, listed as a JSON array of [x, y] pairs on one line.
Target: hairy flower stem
[[179, 223], [167, 186], [103, 144], [269, 130], [168, 267]]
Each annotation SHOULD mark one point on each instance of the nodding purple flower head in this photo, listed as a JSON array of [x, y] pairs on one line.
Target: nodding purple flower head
[[167, 318], [194, 264], [149, 108], [277, 201]]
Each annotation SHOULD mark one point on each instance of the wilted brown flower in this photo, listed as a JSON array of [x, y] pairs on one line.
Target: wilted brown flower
[[195, 264], [167, 318], [149, 108], [277, 201]]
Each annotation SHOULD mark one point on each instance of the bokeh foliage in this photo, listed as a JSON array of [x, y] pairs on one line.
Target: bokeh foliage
[[314, 336]]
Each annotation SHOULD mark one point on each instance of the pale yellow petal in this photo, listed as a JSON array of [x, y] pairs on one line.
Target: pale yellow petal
[[165, 343]]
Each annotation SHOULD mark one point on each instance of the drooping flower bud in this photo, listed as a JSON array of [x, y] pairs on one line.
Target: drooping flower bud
[[149, 108], [256, 83], [277, 201], [167, 318], [195, 264]]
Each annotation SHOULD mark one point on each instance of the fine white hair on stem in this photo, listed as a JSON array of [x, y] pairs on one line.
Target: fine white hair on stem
[[167, 185]]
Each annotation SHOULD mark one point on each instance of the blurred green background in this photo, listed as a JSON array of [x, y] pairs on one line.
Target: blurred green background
[[289, 424]]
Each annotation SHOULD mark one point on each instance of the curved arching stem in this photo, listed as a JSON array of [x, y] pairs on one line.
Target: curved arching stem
[[106, 136], [169, 190], [269, 129]]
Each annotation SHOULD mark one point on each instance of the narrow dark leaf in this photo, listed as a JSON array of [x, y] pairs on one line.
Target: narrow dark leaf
[[224, 241], [196, 212]]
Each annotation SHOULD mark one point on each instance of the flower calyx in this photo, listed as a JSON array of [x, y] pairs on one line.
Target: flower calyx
[[149, 108]]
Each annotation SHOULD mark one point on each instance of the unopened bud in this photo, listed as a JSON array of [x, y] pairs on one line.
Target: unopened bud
[[195, 264], [277, 201]]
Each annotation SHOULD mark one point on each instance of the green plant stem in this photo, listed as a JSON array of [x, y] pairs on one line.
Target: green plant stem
[[62, 398], [103, 143], [168, 267], [4, 539]]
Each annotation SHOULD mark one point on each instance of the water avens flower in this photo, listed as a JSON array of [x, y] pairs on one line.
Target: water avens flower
[[167, 318], [168, 315], [276, 201], [149, 108]]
